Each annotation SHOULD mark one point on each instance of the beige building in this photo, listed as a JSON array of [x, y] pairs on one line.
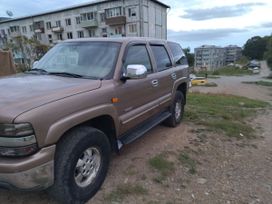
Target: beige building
[[111, 18]]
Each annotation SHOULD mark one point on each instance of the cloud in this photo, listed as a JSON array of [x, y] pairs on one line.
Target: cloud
[[219, 12], [203, 35], [267, 25]]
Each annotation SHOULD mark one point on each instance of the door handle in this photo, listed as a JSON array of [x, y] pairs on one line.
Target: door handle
[[155, 83], [174, 76]]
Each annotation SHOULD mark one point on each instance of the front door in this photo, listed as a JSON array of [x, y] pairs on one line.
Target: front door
[[137, 96]]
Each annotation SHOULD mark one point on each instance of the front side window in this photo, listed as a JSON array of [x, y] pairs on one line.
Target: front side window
[[89, 59], [138, 54], [178, 54], [161, 56]]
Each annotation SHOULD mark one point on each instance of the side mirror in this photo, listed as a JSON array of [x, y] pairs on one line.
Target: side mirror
[[35, 64], [136, 71]]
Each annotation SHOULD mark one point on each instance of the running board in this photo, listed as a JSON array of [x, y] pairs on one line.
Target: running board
[[143, 128]]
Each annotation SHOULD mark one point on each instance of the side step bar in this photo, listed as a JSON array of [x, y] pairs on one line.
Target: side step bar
[[142, 129]]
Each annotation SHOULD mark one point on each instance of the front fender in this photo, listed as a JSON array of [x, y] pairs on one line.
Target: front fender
[[57, 129]]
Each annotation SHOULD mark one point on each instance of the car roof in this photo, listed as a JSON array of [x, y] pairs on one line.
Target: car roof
[[119, 40]]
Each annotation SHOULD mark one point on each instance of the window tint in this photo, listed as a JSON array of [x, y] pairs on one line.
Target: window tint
[[161, 57], [178, 54], [138, 54]]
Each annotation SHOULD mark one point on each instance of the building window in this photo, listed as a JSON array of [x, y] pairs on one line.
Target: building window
[[58, 23], [132, 28], [68, 22], [80, 34], [50, 36], [39, 36], [78, 20], [113, 12], [132, 12], [88, 16], [59, 36], [118, 30], [14, 29], [24, 29], [92, 33], [104, 30], [70, 35], [48, 25], [102, 17]]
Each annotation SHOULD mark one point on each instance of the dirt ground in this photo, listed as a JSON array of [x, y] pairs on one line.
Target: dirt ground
[[227, 170]]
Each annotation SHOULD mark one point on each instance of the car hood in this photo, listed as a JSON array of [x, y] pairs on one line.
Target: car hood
[[23, 92]]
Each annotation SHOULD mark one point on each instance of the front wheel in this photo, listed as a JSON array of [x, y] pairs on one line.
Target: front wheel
[[81, 164], [177, 110]]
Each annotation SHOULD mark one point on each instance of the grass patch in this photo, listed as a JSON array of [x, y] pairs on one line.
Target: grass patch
[[185, 159], [124, 190], [223, 113], [228, 71], [202, 74], [163, 166], [260, 83]]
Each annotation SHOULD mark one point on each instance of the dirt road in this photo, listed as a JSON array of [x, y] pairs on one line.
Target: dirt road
[[233, 85], [228, 170]]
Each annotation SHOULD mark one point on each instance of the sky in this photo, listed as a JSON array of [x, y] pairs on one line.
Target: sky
[[190, 22]]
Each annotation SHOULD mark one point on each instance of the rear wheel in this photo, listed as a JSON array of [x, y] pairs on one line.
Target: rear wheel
[[177, 110], [81, 164]]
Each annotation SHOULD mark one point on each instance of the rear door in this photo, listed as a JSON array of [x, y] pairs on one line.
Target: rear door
[[164, 73]]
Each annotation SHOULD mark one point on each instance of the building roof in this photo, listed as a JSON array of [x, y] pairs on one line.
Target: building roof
[[96, 2], [4, 18]]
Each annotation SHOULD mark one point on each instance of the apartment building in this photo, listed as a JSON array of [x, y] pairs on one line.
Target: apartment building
[[233, 53], [213, 57], [209, 57], [104, 18]]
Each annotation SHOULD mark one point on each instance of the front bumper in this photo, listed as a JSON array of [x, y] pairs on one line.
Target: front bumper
[[35, 172]]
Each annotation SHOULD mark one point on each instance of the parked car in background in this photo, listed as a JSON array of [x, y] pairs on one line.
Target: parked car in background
[[60, 122], [256, 70]]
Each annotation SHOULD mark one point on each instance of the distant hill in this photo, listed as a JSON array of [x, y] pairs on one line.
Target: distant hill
[[4, 18]]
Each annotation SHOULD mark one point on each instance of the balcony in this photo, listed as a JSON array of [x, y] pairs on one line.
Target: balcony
[[15, 34], [89, 23], [57, 29], [117, 20], [39, 30]]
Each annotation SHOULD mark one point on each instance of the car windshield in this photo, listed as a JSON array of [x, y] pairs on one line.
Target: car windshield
[[81, 59]]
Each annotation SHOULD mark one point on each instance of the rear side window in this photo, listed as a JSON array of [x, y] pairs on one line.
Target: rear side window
[[138, 54], [178, 54], [161, 56]]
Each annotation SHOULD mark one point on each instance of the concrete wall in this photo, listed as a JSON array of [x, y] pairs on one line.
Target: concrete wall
[[150, 21]]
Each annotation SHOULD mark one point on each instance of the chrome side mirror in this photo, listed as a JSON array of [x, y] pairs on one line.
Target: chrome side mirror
[[35, 64], [136, 71]]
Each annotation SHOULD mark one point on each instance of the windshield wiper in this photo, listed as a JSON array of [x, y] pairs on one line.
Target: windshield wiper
[[37, 70], [66, 74]]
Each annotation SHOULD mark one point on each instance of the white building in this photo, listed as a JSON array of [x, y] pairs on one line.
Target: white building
[[111, 18], [209, 57]]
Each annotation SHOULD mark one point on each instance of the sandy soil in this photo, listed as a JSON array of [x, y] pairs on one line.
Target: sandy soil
[[227, 170]]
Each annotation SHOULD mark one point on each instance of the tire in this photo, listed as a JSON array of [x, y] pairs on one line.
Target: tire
[[81, 146], [177, 110]]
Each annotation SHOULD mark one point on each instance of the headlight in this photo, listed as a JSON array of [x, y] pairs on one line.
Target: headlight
[[17, 140]]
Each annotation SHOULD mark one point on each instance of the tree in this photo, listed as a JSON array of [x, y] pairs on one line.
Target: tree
[[29, 49], [268, 53], [190, 56], [255, 47]]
